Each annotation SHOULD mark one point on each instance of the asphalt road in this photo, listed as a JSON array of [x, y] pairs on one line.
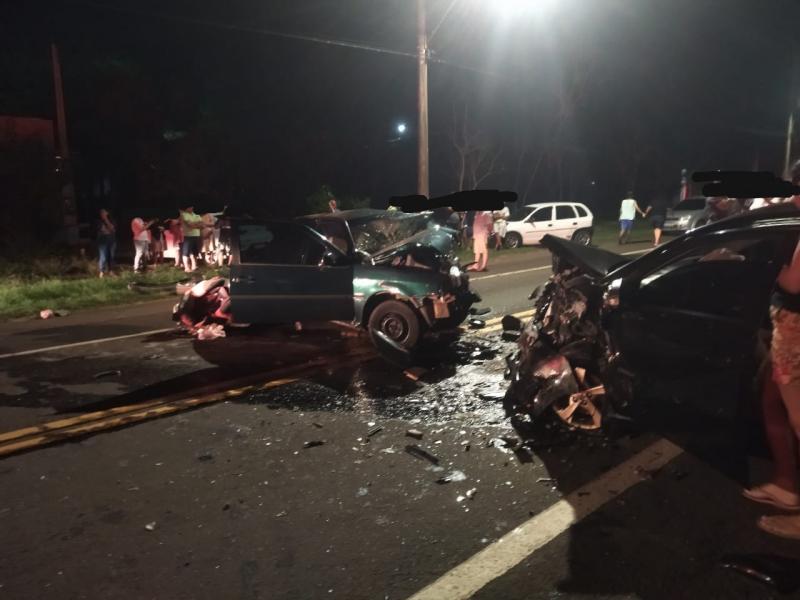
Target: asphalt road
[[308, 491]]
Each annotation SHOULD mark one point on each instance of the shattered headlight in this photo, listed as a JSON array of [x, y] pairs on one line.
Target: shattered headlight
[[611, 296]]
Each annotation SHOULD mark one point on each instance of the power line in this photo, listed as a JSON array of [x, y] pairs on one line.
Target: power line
[[294, 36]]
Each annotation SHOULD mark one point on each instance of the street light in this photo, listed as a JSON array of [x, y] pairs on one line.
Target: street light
[[401, 128]]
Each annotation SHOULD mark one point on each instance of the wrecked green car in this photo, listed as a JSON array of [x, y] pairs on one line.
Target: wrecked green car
[[394, 274]]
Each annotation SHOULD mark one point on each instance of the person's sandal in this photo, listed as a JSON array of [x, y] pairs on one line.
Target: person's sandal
[[762, 495]]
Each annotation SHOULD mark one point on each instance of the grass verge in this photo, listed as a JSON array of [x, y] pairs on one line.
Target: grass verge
[[26, 297]]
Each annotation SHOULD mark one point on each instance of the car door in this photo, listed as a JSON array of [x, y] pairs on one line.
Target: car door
[[565, 221], [285, 272], [584, 216], [702, 309], [538, 223]]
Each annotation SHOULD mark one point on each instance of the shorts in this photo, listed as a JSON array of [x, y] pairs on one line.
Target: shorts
[[657, 221], [785, 346], [625, 224], [190, 246]]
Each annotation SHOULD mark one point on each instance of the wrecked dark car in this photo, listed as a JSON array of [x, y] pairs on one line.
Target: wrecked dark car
[[602, 322], [391, 273]]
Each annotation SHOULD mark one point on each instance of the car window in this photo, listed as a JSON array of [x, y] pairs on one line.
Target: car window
[[564, 212], [726, 277], [280, 244], [691, 204], [544, 213], [581, 211]]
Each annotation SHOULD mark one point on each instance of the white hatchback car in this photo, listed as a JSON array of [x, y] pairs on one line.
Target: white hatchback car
[[569, 220]]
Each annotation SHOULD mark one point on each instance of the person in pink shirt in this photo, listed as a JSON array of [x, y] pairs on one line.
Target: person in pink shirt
[[481, 230]]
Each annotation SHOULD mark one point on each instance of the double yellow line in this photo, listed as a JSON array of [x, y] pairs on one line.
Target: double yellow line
[[52, 432], [56, 431]]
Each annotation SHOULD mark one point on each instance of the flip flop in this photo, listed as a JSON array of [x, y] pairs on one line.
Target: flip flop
[[762, 496], [784, 526]]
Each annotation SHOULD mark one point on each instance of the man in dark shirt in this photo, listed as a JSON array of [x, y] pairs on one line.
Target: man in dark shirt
[[657, 212]]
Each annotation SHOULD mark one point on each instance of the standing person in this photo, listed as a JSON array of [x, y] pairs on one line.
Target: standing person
[[500, 226], [657, 211], [141, 241], [192, 225], [627, 213], [156, 241], [106, 242], [333, 206], [781, 400], [175, 238], [481, 228]]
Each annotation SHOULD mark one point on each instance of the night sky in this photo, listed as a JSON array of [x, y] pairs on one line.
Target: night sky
[[620, 92]]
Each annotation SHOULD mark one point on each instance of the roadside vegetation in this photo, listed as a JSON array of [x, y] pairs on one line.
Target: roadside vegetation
[[71, 283]]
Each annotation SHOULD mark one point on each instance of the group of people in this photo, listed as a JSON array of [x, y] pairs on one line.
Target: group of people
[[482, 226], [656, 211], [186, 237]]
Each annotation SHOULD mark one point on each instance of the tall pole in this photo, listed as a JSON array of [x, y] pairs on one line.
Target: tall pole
[[787, 158], [65, 166], [423, 187]]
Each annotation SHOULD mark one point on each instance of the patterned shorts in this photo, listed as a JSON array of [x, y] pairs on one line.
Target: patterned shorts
[[785, 346]]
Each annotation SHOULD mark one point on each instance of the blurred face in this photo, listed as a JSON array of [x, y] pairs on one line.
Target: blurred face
[[103, 213]]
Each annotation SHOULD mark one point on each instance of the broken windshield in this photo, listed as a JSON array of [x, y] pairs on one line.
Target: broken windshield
[[373, 234]]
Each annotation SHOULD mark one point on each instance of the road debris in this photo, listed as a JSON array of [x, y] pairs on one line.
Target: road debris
[[477, 323], [210, 332], [780, 572], [452, 477], [470, 494], [414, 433], [415, 373], [150, 526], [374, 431], [313, 443], [500, 444], [317, 425], [205, 457], [545, 480], [418, 452], [111, 373], [46, 314]]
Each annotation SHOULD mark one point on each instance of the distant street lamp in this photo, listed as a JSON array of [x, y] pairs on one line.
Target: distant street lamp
[[401, 128]]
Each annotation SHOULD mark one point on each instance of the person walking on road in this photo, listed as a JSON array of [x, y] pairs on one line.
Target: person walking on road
[[191, 225], [106, 242], [781, 400], [627, 213], [481, 229], [657, 211], [141, 241]]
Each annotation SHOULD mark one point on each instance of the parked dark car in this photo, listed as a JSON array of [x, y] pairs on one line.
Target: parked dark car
[[388, 272], [604, 321]]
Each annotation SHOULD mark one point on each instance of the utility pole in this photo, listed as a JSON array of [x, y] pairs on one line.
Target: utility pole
[[423, 186], [64, 165]]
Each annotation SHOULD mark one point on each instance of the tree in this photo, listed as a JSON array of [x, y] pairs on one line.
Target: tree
[[476, 157]]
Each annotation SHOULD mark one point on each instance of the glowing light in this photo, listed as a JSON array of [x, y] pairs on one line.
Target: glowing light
[[401, 128]]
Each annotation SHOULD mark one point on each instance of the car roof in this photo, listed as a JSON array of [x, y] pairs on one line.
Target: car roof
[[554, 204]]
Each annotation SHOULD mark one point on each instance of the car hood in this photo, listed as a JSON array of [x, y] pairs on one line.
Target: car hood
[[677, 214], [593, 261], [440, 239]]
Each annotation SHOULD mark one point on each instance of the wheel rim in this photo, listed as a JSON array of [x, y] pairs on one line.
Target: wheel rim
[[513, 241], [394, 326], [582, 238], [583, 409]]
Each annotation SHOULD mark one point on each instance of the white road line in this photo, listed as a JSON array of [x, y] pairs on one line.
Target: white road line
[[86, 343], [510, 550], [543, 267]]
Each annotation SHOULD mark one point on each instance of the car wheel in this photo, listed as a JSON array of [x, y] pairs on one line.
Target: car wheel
[[582, 236], [397, 321], [584, 409], [513, 240]]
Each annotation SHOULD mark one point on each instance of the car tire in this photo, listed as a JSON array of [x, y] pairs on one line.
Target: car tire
[[513, 240], [398, 321], [582, 237]]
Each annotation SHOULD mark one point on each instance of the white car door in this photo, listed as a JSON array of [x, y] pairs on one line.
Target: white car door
[[585, 218], [538, 223], [565, 221]]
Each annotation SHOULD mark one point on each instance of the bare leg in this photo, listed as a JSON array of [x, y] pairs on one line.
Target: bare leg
[[186, 263], [787, 526], [781, 435], [657, 236]]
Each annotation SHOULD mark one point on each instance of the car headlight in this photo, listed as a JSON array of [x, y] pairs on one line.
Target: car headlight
[[684, 220], [455, 271]]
